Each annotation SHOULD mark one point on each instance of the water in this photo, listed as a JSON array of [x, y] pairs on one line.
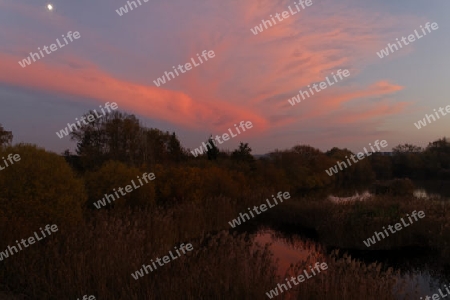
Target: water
[[440, 188], [290, 249], [421, 193]]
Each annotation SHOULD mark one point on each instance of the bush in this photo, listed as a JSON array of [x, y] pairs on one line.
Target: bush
[[40, 188], [113, 175], [402, 187], [396, 187], [181, 184]]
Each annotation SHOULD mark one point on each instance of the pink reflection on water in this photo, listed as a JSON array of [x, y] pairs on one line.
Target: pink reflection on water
[[289, 251]]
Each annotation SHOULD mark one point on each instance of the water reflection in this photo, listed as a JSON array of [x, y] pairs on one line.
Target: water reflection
[[422, 193], [290, 249], [366, 195], [356, 197], [435, 187]]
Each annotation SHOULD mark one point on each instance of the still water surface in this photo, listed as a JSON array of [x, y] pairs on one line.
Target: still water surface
[[422, 277]]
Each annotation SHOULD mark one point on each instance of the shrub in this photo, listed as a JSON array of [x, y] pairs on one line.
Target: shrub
[[180, 184], [402, 187], [113, 175], [40, 188], [396, 187]]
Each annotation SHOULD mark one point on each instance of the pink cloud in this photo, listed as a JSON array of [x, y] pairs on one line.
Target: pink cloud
[[87, 81], [251, 76]]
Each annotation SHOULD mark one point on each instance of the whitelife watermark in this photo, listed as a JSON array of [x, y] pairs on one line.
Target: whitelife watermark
[[263, 207], [166, 259], [398, 227], [161, 80], [128, 189], [85, 297], [225, 137], [285, 14], [27, 61], [421, 124], [323, 85], [300, 278], [31, 241], [123, 10], [411, 38], [334, 170], [16, 158], [436, 296], [72, 126]]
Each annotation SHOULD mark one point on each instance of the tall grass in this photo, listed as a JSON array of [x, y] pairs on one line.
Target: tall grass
[[350, 279], [348, 225], [345, 278], [98, 256]]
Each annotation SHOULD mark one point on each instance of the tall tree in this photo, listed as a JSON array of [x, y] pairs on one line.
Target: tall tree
[[174, 148], [212, 151], [119, 136]]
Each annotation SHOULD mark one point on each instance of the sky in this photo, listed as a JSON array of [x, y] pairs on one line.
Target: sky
[[250, 78]]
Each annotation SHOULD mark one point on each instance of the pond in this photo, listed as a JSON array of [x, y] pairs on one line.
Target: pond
[[420, 272]]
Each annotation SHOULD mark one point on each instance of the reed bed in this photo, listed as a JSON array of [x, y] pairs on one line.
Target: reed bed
[[350, 279], [348, 225], [98, 256], [345, 278]]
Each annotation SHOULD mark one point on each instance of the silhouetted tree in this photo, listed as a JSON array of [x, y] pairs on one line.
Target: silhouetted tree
[[73, 161], [212, 151], [406, 148], [243, 153], [407, 161], [6, 137], [174, 147], [436, 159], [119, 136]]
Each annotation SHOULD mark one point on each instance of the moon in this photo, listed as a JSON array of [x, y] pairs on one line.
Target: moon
[[50, 7]]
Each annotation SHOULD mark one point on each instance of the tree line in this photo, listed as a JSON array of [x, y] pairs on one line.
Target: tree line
[[118, 146]]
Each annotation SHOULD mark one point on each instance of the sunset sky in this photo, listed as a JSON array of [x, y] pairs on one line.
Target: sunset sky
[[250, 78]]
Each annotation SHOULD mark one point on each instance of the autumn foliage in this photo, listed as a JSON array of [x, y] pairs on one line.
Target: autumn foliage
[[40, 189]]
